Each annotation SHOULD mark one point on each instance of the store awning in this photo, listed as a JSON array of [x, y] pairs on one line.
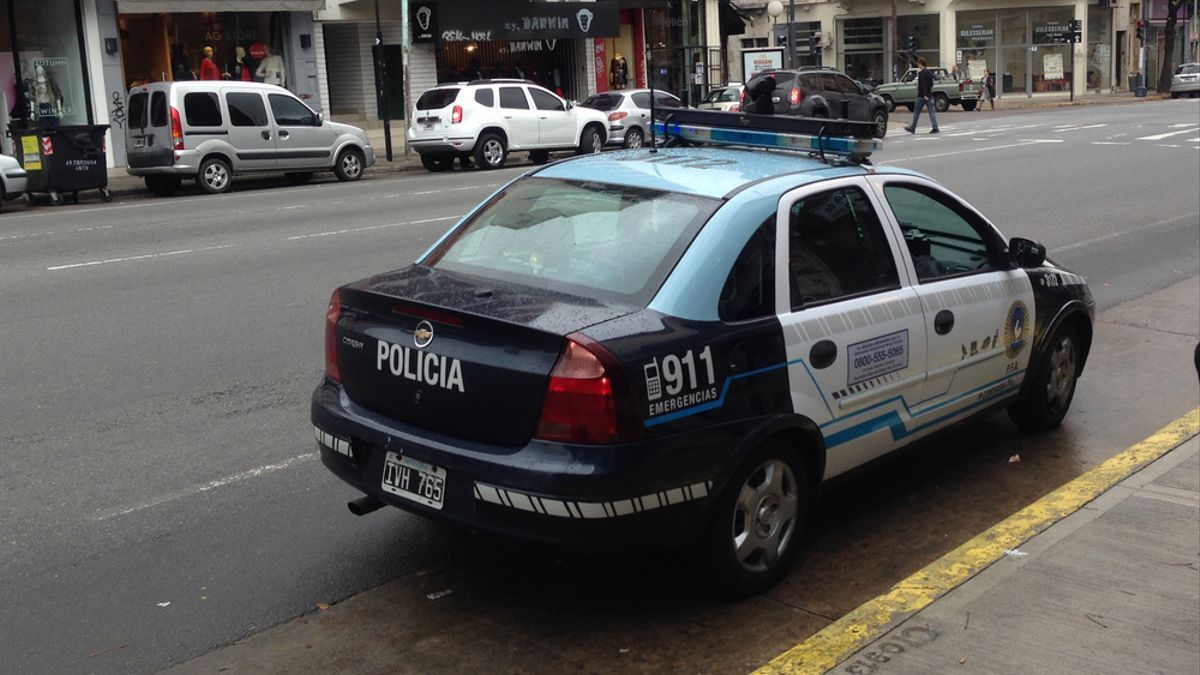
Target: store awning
[[180, 6]]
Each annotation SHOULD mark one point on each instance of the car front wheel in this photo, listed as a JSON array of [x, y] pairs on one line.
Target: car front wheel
[[880, 120], [490, 152], [349, 165], [591, 142], [1053, 388]]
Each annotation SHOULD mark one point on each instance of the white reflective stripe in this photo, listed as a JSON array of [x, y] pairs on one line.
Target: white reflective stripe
[[589, 510], [328, 440]]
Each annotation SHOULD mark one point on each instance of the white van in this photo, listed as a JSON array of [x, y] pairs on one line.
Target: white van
[[211, 131]]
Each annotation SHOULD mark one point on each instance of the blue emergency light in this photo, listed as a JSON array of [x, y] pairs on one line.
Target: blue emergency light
[[854, 141]]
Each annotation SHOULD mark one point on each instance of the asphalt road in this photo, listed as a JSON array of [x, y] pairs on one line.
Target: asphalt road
[[159, 486]]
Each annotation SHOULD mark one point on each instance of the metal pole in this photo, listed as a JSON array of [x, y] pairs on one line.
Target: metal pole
[[381, 84], [895, 43], [791, 33], [406, 45], [1142, 47]]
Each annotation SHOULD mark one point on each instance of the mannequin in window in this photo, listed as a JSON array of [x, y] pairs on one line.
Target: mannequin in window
[[619, 70], [241, 70], [47, 99], [208, 67], [270, 70]]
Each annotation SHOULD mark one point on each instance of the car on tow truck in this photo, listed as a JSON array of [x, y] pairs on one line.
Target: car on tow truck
[[682, 345]]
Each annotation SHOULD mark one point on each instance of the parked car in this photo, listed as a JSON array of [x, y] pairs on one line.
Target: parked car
[[212, 131], [628, 113], [1186, 80], [821, 92], [947, 91], [12, 178], [727, 98], [487, 119], [635, 349]]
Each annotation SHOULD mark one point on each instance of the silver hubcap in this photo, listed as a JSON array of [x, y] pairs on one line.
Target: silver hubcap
[[493, 152], [764, 517], [351, 165], [635, 140], [1062, 374], [216, 176], [596, 144]]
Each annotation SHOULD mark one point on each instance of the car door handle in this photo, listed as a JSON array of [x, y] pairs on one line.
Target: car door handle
[[508, 117], [823, 354], [284, 135], [943, 322]]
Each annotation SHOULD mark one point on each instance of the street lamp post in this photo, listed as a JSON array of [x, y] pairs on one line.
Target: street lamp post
[[791, 33], [774, 9]]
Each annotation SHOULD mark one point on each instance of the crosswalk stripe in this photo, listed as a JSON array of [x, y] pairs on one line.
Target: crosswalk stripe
[[1159, 137]]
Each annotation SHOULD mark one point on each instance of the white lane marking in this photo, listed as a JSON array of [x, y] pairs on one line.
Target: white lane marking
[[1086, 126], [1111, 143], [1193, 140], [147, 256], [1159, 137], [294, 206], [370, 227], [30, 235], [1184, 124], [457, 189], [1022, 144], [211, 485], [1122, 233]]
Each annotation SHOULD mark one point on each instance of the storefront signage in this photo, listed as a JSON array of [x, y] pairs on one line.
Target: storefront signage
[[423, 20], [977, 32], [1044, 33], [1052, 66], [480, 21], [758, 60]]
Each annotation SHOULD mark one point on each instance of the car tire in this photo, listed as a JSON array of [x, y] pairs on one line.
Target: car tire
[[940, 102], [215, 176], [491, 152], [909, 106], [590, 142], [891, 103], [539, 156], [968, 105], [757, 521], [349, 165], [634, 138], [1174, 94], [880, 119], [437, 163], [298, 177], [1049, 396], [163, 186]]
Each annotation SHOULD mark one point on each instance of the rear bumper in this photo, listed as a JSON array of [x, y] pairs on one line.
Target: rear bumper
[[1185, 87], [15, 180], [442, 146], [639, 495]]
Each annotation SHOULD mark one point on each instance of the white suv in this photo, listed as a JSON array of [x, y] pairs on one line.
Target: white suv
[[486, 119]]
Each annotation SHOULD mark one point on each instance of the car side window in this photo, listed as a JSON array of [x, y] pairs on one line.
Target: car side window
[[830, 83], [837, 248], [513, 98], [730, 95], [485, 97], [749, 290], [544, 100], [943, 238], [246, 109], [810, 83], [290, 112], [847, 85], [662, 100], [909, 76], [158, 109], [202, 109], [642, 100]]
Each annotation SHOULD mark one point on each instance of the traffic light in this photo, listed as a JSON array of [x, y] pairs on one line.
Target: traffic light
[[814, 43], [1141, 30]]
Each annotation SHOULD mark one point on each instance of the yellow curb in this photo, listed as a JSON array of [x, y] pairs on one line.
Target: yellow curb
[[846, 636]]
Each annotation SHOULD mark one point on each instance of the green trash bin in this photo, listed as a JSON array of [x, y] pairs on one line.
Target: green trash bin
[[63, 161]]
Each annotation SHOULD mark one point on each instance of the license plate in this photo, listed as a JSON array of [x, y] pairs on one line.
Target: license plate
[[412, 479]]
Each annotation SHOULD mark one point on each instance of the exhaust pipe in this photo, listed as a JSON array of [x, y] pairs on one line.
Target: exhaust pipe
[[364, 505]]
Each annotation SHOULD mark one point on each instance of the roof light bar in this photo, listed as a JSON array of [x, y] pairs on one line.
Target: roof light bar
[[853, 140]]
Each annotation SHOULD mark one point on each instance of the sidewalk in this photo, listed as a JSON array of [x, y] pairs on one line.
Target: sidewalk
[[1114, 587]]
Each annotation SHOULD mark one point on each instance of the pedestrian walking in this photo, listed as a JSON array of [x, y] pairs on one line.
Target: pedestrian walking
[[985, 92], [990, 82], [924, 97]]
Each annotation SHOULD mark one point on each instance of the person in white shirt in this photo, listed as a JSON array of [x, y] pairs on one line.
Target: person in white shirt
[[270, 69]]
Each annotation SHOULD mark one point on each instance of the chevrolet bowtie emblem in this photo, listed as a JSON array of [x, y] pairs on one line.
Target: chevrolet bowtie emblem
[[423, 335]]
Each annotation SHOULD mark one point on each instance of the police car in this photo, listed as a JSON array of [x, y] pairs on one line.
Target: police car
[[682, 345]]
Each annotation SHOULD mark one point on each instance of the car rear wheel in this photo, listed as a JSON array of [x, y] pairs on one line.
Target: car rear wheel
[[215, 176], [1048, 399], [437, 163], [891, 103], [758, 518], [968, 105], [349, 166], [880, 119], [634, 138], [940, 102], [490, 152]]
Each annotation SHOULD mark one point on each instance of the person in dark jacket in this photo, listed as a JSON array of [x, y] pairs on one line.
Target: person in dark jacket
[[761, 97], [924, 98]]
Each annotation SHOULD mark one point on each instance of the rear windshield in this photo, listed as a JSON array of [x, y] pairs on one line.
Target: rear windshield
[[137, 110], [1188, 69], [436, 99], [608, 242], [604, 102], [782, 79]]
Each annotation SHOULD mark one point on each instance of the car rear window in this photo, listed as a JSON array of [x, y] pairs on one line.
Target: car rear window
[[485, 97], [158, 109], [137, 110], [597, 240], [603, 102], [202, 109], [436, 99], [1188, 69]]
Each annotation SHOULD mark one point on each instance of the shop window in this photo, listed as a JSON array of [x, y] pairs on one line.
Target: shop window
[[513, 98], [485, 97], [51, 71], [289, 112], [546, 101], [202, 109], [749, 290], [158, 109], [943, 238], [246, 110], [754, 43], [837, 248]]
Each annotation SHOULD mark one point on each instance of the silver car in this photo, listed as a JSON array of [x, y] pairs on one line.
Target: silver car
[[628, 113], [727, 98], [211, 131], [12, 178], [1186, 81]]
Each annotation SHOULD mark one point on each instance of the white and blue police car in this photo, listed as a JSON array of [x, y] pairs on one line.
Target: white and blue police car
[[682, 345]]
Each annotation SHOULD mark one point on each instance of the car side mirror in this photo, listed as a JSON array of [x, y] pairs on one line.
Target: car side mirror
[[1025, 253], [319, 119]]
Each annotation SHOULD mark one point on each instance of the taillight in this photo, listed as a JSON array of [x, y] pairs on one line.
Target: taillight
[[961, 85], [745, 97], [617, 116], [796, 96], [176, 129], [586, 398], [456, 115], [332, 370]]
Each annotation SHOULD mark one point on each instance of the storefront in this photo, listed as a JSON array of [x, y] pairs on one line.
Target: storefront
[[43, 64], [678, 57], [620, 61]]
